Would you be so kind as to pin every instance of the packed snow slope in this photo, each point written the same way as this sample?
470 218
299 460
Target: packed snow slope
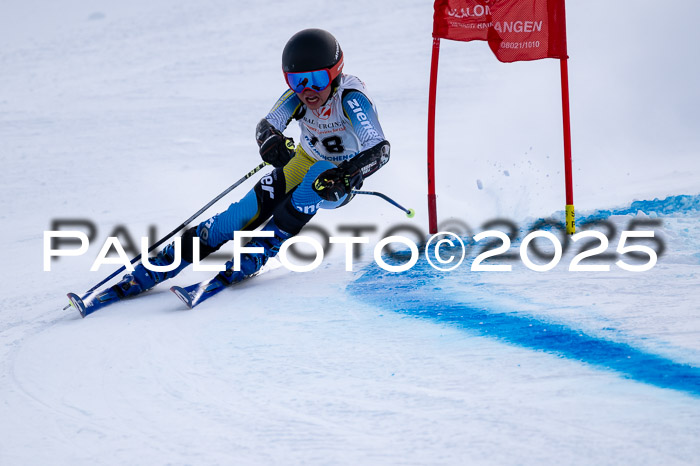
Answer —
129 116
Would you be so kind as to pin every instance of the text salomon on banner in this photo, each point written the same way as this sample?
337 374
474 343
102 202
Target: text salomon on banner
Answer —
516 30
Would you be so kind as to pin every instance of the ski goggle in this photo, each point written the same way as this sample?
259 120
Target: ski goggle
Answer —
316 80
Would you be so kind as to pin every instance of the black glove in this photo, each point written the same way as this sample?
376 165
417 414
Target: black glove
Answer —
275 149
335 183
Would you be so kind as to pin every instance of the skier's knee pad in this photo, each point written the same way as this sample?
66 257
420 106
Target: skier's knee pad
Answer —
289 219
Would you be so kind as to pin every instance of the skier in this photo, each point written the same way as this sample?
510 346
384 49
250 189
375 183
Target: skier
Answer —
341 144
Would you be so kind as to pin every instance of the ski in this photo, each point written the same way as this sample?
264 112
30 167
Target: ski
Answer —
87 306
197 293
77 303
193 295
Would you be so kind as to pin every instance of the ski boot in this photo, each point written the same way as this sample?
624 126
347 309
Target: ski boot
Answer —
251 263
132 284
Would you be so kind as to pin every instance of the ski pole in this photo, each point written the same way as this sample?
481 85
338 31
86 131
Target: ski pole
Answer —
410 213
179 227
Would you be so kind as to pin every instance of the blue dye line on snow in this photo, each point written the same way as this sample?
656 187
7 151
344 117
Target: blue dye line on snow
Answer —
413 293
682 204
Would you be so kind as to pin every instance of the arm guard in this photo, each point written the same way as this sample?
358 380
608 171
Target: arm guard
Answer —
366 162
333 184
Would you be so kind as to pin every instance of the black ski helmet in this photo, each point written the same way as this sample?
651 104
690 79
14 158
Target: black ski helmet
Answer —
310 50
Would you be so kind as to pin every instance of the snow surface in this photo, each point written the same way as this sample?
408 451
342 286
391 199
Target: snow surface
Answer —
137 113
